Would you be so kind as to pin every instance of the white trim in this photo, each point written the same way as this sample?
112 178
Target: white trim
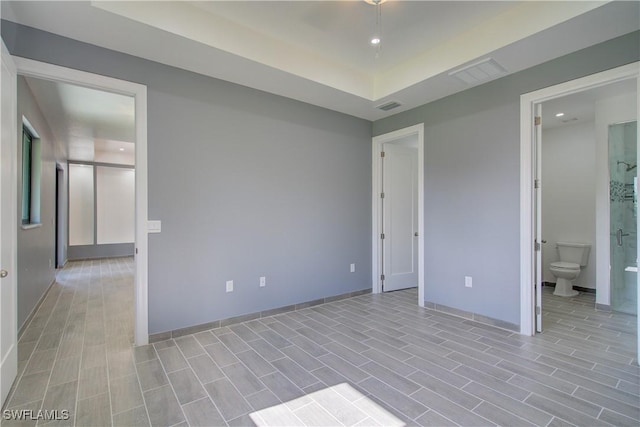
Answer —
31 68
9 360
418 130
31 226
527 103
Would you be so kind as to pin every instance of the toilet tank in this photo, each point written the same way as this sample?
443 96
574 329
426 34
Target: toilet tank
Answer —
577 253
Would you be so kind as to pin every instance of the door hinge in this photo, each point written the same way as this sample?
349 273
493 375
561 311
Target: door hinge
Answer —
382 277
538 310
382 195
537 246
136 251
382 154
536 183
537 120
382 235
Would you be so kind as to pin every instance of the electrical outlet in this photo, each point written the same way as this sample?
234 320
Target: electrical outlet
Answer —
352 268
229 285
263 282
468 281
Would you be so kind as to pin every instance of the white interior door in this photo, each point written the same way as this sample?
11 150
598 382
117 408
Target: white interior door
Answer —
8 223
538 209
400 217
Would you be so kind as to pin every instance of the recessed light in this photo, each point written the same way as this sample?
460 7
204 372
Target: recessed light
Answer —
121 149
559 114
375 41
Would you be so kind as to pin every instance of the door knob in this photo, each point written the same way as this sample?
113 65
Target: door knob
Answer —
415 234
3 274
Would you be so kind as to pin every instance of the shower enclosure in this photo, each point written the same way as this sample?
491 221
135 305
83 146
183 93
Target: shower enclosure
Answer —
623 191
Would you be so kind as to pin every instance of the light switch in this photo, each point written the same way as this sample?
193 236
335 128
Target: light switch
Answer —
154 226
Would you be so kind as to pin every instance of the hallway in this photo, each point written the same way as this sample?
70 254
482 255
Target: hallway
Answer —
79 341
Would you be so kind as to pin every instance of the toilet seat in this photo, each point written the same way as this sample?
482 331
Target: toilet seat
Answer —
562 265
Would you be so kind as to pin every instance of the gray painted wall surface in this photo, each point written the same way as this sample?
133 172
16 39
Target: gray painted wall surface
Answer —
472 174
246 184
36 253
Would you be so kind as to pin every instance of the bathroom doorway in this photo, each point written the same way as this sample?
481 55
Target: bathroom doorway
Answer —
589 156
534 183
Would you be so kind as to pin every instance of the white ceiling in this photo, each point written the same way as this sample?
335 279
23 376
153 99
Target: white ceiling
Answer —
94 125
319 52
580 107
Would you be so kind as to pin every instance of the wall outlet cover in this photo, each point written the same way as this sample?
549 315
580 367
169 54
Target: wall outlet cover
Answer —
263 282
229 285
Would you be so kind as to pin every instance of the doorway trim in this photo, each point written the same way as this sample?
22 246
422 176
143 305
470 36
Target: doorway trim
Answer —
376 206
527 192
60 229
41 70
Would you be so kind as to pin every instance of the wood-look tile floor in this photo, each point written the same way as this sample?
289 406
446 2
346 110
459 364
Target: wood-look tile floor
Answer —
368 360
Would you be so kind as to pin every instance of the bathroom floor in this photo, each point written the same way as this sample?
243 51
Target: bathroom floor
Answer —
368 360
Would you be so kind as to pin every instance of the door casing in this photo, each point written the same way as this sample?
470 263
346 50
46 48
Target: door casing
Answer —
8 217
41 70
528 104
376 206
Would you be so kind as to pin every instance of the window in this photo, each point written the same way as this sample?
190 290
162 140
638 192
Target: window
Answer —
30 177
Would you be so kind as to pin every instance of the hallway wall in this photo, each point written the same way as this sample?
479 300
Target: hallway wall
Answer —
36 251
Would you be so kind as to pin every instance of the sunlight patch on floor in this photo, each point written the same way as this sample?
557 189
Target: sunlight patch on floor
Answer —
339 405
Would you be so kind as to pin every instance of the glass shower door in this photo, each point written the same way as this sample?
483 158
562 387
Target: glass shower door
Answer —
623 208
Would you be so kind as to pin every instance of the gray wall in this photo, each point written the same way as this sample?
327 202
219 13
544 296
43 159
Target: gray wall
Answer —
472 173
246 183
36 253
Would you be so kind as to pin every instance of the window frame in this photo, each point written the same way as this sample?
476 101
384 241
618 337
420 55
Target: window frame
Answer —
31 177
27 175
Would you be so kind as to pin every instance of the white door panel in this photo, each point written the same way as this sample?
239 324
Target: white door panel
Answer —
8 223
400 217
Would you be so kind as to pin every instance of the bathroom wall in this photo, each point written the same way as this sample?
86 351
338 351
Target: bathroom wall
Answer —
568 194
607 111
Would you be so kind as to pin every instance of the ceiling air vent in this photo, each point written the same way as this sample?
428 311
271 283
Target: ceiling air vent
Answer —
479 72
388 106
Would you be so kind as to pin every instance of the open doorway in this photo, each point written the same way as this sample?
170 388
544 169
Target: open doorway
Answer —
61 216
27 67
16 66
34 69
398 211
533 184
576 147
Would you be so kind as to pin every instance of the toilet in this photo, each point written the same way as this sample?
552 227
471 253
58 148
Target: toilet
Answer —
573 257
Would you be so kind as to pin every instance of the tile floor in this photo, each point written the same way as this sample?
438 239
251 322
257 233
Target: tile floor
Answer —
368 360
